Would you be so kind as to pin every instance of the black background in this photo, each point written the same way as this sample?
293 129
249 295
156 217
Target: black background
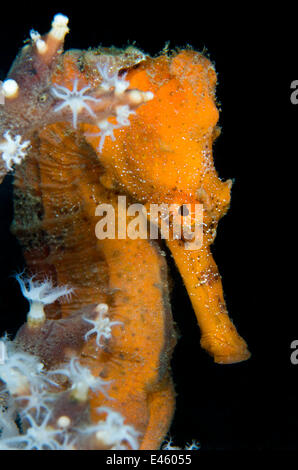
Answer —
252 405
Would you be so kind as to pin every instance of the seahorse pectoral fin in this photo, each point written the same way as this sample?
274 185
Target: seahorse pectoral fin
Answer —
203 283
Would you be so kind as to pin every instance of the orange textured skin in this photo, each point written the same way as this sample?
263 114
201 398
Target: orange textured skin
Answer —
164 156
130 276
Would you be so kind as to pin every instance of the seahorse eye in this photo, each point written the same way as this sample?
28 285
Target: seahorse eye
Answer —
43 98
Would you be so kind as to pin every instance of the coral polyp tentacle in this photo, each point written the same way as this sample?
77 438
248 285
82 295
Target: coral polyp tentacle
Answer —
102 325
39 294
82 380
109 81
13 150
75 99
113 432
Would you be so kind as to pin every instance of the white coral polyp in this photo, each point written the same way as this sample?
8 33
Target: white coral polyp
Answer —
37 400
39 436
123 113
75 99
102 325
113 432
42 291
82 380
21 371
13 150
119 84
39 294
107 128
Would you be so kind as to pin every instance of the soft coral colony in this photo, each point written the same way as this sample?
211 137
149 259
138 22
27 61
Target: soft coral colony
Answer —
90 369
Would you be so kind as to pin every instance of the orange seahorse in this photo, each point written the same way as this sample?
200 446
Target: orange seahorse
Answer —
82 128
